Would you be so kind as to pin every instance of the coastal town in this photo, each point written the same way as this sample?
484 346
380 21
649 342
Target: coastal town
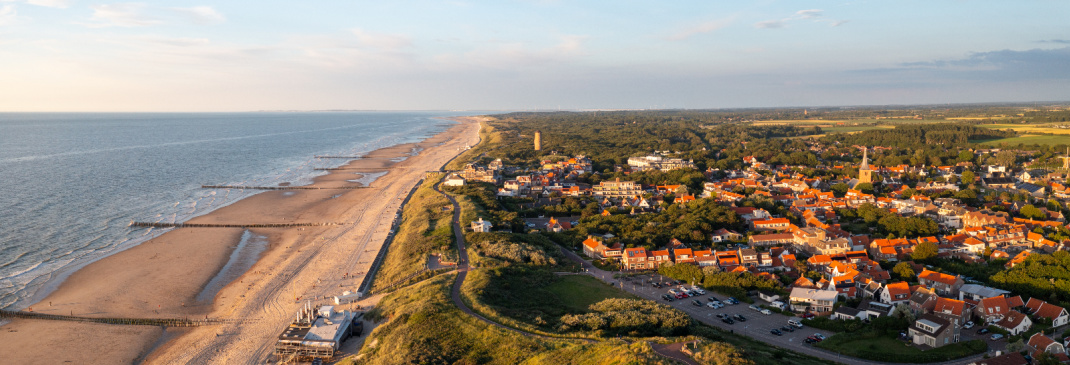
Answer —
832 267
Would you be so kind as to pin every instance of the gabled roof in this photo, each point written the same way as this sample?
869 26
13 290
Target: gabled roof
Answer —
1044 309
1040 342
1012 320
949 306
937 277
897 289
994 306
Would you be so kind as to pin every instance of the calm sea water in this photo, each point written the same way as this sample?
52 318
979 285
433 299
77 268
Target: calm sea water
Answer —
72 182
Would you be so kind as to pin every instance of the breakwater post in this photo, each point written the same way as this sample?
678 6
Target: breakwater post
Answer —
279 187
213 225
164 322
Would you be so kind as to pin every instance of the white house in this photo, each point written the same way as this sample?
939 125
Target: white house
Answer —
454 180
816 300
481 225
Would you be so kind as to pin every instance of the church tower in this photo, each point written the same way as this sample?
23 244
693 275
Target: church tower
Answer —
865 175
1066 159
538 141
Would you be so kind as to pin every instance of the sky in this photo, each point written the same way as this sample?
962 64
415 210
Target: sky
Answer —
243 55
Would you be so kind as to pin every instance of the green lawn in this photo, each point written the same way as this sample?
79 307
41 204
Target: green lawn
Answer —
889 349
853 128
1028 140
578 292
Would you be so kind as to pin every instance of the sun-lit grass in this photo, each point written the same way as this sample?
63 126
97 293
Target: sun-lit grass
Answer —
425 229
578 292
1029 128
1029 140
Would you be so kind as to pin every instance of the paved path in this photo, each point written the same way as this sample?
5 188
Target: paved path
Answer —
673 351
462 272
756 327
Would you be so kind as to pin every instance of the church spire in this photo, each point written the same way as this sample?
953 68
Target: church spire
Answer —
865 160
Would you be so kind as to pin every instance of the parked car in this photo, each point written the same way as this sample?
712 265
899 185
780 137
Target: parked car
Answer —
776 332
696 302
788 328
755 307
711 305
982 331
732 300
727 320
741 318
795 323
722 315
968 325
766 311
813 339
819 336
807 315
995 337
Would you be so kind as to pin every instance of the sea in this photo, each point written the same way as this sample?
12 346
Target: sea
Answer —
73 182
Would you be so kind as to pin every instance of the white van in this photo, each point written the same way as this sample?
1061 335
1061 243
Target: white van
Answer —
795 322
778 305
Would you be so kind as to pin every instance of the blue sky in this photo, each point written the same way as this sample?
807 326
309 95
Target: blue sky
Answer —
77 55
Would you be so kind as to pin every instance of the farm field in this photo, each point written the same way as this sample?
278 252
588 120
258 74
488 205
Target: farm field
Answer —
1028 140
1029 128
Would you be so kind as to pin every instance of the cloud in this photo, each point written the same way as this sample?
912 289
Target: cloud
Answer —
814 15
201 14
701 28
175 42
770 24
60 4
381 40
808 14
8 14
121 15
1004 65
1056 41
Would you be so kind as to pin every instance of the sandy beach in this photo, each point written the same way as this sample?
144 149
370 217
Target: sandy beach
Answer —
164 276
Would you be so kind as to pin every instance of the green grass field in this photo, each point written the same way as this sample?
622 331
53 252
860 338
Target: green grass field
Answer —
888 349
578 292
1028 140
855 128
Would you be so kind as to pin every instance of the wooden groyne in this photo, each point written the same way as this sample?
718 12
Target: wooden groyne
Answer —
351 168
165 322
349 157
213 225
280 187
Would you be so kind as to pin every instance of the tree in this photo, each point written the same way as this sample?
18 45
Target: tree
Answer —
1015 346
1031 212
904 270
968 177
1006 158
865 188
924 251
800 265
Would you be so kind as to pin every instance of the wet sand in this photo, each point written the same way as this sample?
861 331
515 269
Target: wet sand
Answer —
163 277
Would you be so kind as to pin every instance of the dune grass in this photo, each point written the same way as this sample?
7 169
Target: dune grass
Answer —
422 326
425 229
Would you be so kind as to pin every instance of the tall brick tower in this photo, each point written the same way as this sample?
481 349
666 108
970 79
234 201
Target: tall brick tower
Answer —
538 141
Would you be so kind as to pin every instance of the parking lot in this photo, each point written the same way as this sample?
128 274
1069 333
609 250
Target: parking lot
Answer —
757 325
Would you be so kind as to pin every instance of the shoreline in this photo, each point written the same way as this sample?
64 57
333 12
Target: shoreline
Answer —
163 276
